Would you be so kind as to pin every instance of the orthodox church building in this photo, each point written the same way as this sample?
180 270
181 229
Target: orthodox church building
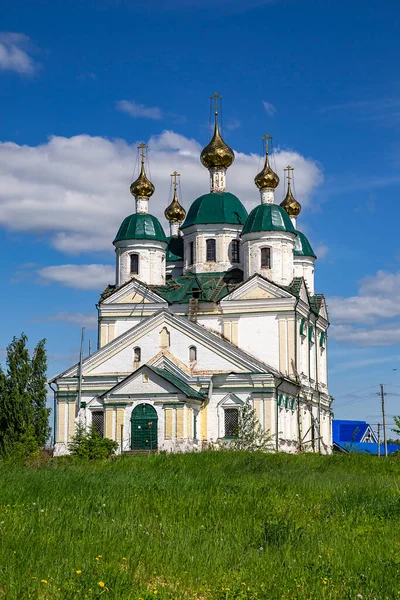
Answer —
219 313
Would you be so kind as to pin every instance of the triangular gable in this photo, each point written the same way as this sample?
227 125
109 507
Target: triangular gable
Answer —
257 288
303 293
232 357
134 292
150 381
230 400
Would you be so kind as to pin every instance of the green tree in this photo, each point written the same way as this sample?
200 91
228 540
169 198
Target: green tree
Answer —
23 414
38 393
249 434
88 444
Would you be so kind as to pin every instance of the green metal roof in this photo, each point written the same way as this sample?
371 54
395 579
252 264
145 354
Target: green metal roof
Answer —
216 207
175 248
210 287
141 227
268 217
302 246
177 382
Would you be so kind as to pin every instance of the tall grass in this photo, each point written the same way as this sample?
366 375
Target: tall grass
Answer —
214 525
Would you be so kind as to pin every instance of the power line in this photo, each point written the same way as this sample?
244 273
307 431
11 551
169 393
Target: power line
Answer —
357 391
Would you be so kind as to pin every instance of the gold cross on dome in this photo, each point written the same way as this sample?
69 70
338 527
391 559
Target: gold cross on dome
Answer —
175 175
216 97
288 169
142 147
266 138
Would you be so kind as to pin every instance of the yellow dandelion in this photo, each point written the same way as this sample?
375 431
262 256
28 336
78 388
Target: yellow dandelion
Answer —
123 558
78 572
100 556
101 583
43 581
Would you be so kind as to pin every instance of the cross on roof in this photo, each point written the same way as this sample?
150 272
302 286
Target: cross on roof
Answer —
175 175
216 97
266 138
142 147
288 169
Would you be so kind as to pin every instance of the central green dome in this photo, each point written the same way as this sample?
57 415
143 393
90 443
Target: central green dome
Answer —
216 207
141 227
268 217
175 248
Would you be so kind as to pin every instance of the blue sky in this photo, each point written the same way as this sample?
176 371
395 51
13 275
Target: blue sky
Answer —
82 82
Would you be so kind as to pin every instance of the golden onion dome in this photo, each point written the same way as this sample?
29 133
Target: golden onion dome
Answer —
175 213
267 178
290 203
142 187
217 153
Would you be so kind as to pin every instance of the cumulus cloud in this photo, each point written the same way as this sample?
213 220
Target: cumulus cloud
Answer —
135 110
14 54
371 318
76 190
269 108
84 277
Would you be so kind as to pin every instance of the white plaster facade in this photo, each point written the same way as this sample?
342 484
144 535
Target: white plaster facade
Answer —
151 261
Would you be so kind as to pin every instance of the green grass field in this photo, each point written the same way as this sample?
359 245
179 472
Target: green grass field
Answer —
215 525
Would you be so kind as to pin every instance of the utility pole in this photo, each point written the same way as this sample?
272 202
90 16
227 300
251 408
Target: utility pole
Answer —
80 369
382 395
379 440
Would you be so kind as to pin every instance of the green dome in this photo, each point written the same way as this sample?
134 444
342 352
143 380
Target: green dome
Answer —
141 227
216 207
175 248
268 217
302 246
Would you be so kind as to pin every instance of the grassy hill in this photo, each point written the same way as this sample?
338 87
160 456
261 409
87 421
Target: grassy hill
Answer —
215 525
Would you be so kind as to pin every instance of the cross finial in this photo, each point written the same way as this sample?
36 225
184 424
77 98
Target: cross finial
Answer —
175 175
216 97
142 147
288 169
266 138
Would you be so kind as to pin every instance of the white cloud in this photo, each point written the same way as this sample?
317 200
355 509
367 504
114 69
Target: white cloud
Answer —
135 110
84 277
371 317
14 55
270 109
76 190
82 319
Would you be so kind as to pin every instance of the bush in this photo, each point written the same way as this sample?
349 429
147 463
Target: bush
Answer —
88 444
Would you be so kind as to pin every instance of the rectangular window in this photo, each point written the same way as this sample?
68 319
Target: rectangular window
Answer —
191 253
134 264
265 258
211 251
98 421
231 421
235 248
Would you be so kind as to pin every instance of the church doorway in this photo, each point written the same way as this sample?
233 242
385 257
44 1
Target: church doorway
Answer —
144 423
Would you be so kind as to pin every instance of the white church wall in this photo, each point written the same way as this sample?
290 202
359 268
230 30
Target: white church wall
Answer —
282 246
149 343
223 236
303 266
151 261
259 336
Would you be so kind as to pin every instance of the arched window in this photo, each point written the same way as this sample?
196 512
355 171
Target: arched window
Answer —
134 264
137 354
191 253
235 251
192 353
266 258
210 251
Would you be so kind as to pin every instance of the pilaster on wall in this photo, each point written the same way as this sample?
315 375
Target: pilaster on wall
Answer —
71 420
120 416
61 421
109 418
203 423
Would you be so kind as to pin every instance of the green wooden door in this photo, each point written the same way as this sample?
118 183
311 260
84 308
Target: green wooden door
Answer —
144 428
